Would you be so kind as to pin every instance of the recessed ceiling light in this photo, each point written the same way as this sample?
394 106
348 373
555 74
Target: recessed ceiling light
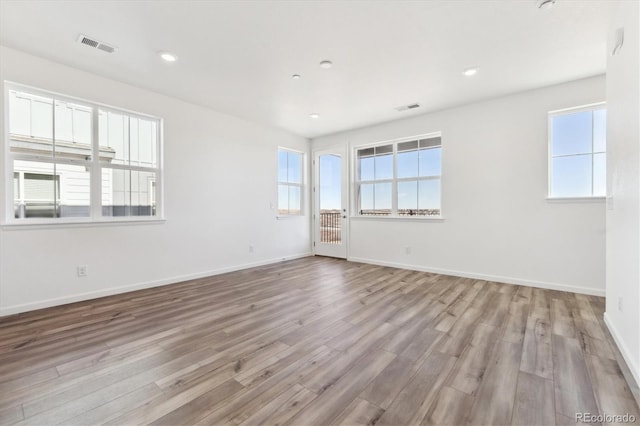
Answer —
314 115
326 64
545 4
169 57
296 76
470 71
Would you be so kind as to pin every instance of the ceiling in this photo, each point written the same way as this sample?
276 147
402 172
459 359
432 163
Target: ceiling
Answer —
237 57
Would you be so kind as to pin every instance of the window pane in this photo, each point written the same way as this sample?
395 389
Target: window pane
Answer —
149 143
282 165
142 140
75 190
600 130
330 182
64 122
429 197
366 152
294 167
600 175
73 131
283 199
431 142
295 205
408 146
571 176
289 166
19 114
128 193
375 199
142 193
408 164
30 124
143 137
382 198
134 143
431 162
366 166
407 198
42 118
366 198
571 133
384 149
116 192
81 125
114 138
40 186
384 166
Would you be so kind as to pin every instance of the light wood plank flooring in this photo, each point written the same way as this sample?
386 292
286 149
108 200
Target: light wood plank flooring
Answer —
314 341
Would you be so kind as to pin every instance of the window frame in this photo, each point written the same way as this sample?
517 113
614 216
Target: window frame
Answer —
301 185
564 111
394 180
94 165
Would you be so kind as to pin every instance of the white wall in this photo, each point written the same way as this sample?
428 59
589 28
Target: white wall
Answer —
212 161
623 178
498 224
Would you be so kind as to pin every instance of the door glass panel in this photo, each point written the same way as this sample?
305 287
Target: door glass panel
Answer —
330 187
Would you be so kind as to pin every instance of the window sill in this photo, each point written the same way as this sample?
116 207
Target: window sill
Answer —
400 218
576 199
289 216
75 223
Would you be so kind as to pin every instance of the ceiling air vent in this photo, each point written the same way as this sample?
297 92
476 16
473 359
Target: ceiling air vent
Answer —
407 107
89 41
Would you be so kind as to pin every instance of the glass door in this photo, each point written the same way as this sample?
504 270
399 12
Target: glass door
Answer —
330 200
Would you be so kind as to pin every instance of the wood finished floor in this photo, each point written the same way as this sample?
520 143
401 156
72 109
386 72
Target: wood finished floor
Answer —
314 341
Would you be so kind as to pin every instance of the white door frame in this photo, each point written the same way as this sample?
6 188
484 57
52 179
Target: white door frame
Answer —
319 248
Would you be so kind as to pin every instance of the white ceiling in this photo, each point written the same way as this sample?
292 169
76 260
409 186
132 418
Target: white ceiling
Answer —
238 56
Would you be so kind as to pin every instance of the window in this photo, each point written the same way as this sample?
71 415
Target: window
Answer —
75 159
577 152
401 178
290 182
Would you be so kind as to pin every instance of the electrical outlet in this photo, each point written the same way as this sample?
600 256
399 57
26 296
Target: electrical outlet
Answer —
407 250
83 270
620 304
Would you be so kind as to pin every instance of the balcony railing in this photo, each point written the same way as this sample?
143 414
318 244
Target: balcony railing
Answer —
330 227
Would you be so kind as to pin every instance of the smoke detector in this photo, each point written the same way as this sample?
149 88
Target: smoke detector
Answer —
96 44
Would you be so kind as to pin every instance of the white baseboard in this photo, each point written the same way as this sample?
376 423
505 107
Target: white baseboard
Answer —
624 350
15 309
477 276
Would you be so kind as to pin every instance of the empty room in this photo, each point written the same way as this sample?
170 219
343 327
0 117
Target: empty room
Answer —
319 212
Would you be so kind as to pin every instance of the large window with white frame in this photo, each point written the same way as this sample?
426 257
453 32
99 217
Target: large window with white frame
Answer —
290 182
578 152
400 178
74 160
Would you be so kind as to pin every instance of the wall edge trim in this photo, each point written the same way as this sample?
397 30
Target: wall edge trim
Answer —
622 347
485 277
32 306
